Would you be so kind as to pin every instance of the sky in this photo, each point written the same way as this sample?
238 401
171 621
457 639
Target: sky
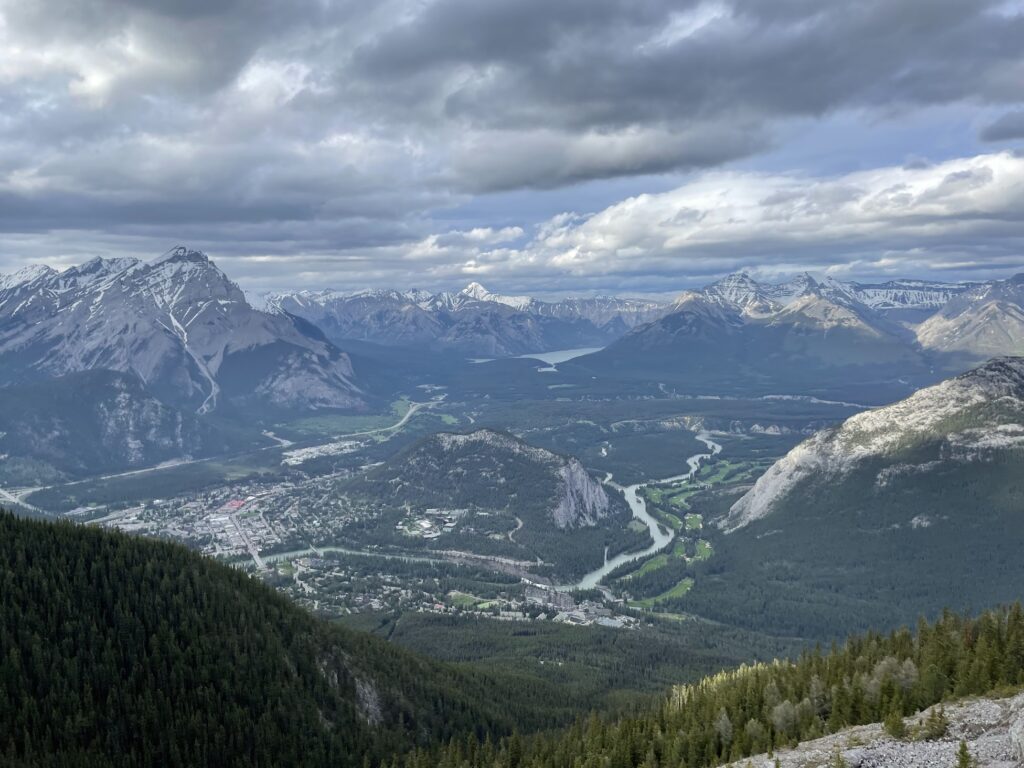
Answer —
536 146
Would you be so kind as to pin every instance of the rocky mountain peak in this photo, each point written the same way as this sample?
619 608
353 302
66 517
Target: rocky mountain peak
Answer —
181 253
476 291
25 275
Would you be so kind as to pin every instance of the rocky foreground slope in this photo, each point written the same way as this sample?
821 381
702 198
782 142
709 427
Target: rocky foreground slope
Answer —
993 730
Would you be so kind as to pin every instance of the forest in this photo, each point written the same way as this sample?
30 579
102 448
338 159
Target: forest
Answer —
762 707
122 651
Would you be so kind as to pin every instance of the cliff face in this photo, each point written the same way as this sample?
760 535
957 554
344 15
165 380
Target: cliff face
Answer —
992 728
581 500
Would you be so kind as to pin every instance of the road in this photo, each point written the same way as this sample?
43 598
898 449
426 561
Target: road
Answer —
253 550
10 497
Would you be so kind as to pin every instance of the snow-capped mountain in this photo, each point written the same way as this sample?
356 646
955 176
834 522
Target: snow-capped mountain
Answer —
907 294
979 323
767 335
178 324
895 296
473 320
959 420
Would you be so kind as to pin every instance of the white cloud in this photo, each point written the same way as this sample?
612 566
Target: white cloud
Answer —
892 219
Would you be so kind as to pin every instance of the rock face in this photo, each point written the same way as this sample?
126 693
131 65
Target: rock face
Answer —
958 420
91 422
178 323
990 727
1016 734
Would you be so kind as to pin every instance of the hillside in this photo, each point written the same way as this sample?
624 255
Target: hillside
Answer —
930 487
490 493
991 729
776 707
119 651
986 321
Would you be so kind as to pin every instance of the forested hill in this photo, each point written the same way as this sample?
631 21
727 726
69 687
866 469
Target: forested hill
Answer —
119 651
764 707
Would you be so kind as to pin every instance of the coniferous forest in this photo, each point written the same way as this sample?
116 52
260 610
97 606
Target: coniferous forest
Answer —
753 709
120 651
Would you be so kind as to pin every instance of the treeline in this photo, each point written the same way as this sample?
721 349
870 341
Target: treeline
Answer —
759 708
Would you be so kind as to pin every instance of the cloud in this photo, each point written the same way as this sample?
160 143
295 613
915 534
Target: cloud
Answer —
313 130
947 218
1008 126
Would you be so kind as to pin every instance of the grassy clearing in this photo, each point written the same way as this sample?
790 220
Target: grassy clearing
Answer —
694 522
333 424
679 590
464 600
658 562
654 564
704 551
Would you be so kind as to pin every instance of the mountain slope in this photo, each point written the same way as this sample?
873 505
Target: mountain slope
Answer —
120 651
93 422
739 333
955 421
898 511
908 680
984 322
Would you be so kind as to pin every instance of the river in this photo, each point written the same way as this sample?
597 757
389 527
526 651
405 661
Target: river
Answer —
661 537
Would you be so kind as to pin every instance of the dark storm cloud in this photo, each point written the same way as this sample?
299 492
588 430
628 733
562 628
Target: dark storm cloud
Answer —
1009 126
339 130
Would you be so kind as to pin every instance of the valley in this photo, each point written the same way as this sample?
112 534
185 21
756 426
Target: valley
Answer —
564 462
283 513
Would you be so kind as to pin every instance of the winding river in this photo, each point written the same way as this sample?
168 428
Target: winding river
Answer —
660 535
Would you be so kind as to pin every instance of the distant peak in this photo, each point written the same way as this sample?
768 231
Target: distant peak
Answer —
476 291
25 275
100 265
181 254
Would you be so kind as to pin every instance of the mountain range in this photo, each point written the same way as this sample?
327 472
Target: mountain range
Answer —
472 321
801 332
808 334
172 350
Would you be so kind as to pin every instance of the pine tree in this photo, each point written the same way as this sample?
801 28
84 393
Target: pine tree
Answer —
964 759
